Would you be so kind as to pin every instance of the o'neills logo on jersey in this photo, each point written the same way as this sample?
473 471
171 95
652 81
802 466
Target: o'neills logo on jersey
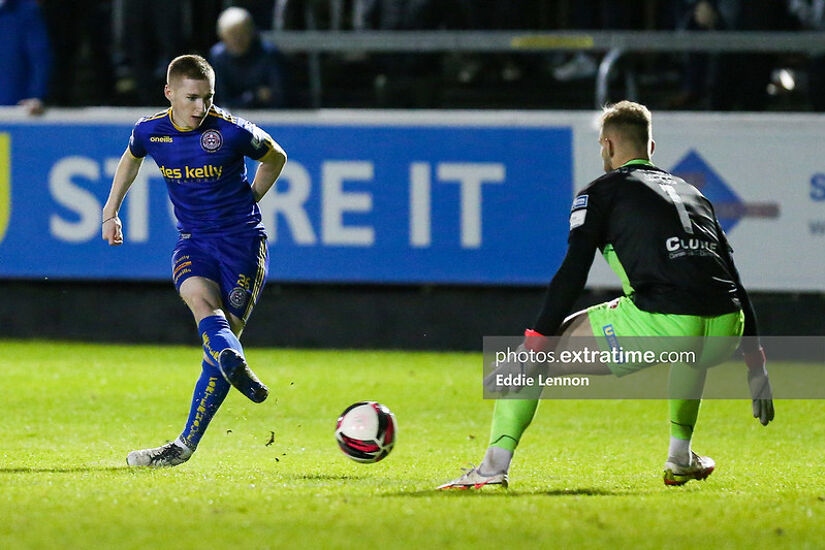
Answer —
211 141
677 247
207 171
161 139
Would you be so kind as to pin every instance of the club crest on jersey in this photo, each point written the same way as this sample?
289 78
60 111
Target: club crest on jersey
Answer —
211 141
238 297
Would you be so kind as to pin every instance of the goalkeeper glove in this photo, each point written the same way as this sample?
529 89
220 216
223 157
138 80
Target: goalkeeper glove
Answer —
760 386
533 341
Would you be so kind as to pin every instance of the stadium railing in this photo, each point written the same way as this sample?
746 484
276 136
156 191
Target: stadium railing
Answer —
616 44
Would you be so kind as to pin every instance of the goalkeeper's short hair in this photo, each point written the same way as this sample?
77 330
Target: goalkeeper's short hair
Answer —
632 119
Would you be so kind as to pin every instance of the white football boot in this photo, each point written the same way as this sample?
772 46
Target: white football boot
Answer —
473 479
171 454
700 468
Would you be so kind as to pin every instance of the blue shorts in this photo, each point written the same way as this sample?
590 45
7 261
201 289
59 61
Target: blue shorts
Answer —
238 264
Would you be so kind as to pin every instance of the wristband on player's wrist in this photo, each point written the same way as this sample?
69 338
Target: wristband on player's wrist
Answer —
109 219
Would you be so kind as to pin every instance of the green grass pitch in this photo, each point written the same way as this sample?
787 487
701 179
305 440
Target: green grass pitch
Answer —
587 475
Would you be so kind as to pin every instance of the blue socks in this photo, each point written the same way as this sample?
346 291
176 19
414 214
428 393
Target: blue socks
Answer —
210 391
211 388
217 336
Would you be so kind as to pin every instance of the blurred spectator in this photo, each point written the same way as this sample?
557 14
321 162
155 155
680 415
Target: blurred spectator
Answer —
154 33
25 58
91 29
730 81
811 15
250 71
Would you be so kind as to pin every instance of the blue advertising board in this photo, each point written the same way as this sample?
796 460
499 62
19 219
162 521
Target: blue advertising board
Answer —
356 203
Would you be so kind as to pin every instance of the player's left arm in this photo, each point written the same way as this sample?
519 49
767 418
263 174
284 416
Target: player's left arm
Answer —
272 164
758 381
259 145
751 330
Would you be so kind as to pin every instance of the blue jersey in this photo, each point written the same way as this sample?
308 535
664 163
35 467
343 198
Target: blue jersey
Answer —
204 169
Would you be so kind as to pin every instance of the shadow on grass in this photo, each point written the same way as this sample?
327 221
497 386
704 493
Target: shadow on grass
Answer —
325 477
509 493
74 470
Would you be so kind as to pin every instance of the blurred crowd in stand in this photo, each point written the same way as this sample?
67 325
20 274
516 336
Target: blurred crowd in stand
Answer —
114 52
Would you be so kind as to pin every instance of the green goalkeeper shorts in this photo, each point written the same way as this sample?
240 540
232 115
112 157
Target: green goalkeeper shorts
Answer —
661 337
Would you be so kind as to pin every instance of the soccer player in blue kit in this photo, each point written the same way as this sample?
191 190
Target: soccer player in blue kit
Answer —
220 262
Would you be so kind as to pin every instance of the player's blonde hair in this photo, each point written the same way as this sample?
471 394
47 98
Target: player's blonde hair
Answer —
632 119
190 66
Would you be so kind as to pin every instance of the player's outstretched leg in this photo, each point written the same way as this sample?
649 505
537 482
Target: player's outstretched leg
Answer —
510 418
224 348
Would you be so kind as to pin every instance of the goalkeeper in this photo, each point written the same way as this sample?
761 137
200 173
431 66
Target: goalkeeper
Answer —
661 236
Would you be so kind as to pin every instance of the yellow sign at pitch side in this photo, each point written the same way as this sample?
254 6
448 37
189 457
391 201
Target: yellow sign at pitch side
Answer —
5 183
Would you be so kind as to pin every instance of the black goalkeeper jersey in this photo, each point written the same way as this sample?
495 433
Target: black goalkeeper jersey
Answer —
660 235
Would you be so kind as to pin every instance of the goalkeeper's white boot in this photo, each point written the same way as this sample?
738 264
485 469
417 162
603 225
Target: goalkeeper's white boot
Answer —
473 479
700 468
171 454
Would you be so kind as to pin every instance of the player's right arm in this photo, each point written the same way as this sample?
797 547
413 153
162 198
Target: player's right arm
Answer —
127 171
587 219
563 290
